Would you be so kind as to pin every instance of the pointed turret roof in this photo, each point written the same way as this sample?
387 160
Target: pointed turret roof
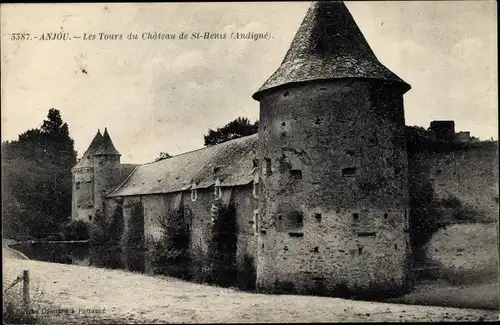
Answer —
106 147
94 145
86 160
329 45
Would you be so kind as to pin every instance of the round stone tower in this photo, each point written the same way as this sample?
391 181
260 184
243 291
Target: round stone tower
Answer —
106 170
334 208
83 183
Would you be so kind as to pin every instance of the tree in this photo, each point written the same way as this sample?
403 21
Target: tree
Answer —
235 129
36 179
163 155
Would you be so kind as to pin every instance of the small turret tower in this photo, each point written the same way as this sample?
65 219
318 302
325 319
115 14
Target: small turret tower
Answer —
334 170
106 170
95 174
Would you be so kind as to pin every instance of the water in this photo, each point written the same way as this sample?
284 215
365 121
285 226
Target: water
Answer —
83 253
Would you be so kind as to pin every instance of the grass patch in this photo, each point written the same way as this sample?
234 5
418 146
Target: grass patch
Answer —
478 296
14 310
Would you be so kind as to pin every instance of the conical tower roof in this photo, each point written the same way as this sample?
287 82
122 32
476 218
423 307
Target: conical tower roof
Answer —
85 161
106 147
329 45
94 145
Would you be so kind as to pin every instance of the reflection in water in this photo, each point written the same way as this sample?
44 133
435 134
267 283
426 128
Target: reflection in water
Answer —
103 256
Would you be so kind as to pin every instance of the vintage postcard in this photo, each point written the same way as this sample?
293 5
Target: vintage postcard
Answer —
247 162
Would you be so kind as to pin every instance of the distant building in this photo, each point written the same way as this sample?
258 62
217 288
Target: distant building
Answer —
444 130
463 136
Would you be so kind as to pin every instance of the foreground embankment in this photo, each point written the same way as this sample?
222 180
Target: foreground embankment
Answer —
112 296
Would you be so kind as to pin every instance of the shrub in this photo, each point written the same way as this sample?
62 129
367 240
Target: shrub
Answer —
247 274
105 235
75 230
106 231
170 252
222 247
200 265
281 287
133 236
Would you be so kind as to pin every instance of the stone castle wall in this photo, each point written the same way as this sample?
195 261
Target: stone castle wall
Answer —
469 175
156 206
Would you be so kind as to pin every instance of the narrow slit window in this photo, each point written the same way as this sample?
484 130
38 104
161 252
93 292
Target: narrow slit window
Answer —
367 234
349 171
256 220
256 189
267 166
194 195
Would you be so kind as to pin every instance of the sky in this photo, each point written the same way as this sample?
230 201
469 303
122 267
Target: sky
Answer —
163 95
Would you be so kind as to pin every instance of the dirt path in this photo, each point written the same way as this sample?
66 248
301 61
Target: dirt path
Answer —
124 297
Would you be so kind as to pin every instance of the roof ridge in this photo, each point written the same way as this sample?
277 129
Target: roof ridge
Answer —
177 174
202 148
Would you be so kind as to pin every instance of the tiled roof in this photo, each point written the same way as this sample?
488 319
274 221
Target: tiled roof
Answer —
231 162
329 45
